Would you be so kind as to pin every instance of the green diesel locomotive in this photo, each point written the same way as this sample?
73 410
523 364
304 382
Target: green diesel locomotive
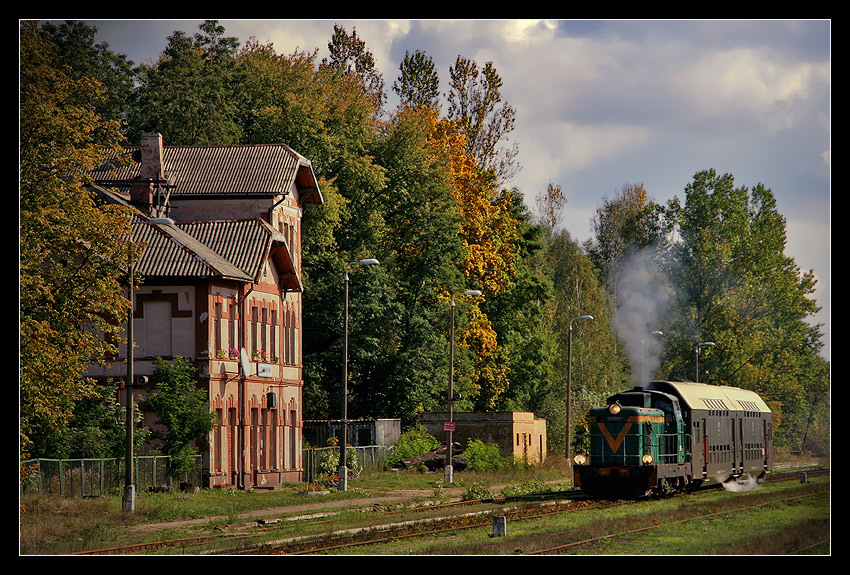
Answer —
668 437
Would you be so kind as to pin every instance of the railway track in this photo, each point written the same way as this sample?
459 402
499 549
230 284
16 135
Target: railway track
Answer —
697 517
450 517
569 501
240 542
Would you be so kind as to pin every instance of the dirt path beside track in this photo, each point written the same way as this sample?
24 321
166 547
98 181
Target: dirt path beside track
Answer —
418 496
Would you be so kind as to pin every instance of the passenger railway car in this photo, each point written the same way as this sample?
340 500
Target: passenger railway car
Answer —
669 436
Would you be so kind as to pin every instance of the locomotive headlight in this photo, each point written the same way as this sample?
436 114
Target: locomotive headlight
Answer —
647 459
614 408
580 459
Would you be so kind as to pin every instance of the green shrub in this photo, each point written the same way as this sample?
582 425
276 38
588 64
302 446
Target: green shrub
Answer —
184 462
410 444
525 487
329 462
477 491
482 456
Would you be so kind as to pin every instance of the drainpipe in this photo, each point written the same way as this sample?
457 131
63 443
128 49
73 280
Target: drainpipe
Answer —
243 409
274 207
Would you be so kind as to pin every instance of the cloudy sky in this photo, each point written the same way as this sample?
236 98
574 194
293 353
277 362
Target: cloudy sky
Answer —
601 104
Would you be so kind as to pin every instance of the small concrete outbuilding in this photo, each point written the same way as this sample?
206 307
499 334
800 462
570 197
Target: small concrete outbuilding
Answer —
517 433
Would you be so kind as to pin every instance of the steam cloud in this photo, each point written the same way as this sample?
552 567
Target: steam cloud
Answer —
741 484
643 294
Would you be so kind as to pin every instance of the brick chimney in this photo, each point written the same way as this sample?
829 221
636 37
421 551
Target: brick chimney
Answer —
142 191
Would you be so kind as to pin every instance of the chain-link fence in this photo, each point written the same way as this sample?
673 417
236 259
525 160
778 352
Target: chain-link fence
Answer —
95 477
323 461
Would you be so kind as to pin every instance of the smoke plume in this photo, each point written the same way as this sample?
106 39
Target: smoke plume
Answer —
643 294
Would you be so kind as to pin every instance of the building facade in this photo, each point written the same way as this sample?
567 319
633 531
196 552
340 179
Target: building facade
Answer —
221 262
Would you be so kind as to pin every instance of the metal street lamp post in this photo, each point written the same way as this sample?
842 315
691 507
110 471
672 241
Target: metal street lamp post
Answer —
570 382
449 470
699 345
343 459
128 502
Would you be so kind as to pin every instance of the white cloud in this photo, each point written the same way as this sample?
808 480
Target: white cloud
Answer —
528 31
748 85
571 147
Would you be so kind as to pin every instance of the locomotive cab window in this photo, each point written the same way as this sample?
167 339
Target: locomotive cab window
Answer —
670 408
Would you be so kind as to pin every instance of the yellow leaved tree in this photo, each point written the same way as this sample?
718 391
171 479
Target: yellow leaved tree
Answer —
490 251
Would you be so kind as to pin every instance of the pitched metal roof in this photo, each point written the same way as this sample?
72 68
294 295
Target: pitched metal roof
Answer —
231 249
247 244
171 252
204 171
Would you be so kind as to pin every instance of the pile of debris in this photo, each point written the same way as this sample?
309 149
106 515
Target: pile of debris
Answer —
436 459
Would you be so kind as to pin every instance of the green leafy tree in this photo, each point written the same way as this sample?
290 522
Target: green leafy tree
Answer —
475 100
418 245
97 429
599 367
736 287
629 222
78 56
73 251
190 94
418 85
349 55
518 316
182 411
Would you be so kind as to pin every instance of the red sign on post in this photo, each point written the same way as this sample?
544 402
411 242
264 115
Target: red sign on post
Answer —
448 426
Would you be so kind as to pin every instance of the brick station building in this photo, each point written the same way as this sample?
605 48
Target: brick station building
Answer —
222 287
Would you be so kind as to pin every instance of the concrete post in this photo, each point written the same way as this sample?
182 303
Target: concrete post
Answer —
499 526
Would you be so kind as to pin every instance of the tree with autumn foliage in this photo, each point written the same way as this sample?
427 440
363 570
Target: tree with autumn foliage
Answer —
73 252
476 102
631 220
488 232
